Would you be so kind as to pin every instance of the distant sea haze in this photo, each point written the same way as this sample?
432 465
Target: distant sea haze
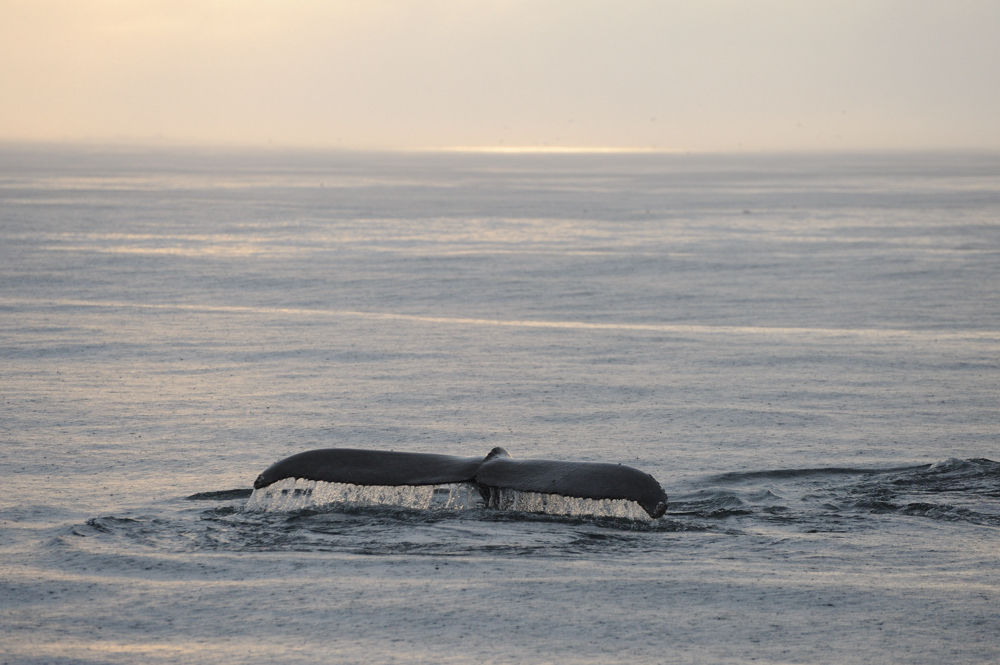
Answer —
803 351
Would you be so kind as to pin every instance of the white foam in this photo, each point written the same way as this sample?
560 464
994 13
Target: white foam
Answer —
554 504
298 494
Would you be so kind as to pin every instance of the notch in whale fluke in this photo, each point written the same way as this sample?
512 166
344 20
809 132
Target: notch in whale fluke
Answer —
583 480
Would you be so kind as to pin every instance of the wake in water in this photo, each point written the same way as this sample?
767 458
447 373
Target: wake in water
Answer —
456 520
952 490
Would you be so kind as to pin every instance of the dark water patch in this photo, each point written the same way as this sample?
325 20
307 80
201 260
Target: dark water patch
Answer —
875 505
827 499
979 475
972 488
781 474
222 495
718 504
111 524
222 511
950 513
595 542
718 513
385 531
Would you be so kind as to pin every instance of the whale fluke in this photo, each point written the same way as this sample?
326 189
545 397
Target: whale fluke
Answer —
583 480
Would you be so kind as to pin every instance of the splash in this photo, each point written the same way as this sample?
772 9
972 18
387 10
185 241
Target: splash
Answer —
554 504
293 494
298 494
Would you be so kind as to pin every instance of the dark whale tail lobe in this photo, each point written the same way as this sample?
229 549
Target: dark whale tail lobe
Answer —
583 480
371 467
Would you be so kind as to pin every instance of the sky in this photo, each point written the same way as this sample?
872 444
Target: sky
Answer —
666 75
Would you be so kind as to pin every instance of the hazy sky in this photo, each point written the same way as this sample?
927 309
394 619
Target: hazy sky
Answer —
702 75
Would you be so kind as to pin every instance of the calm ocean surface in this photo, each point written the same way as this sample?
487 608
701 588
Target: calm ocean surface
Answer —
804 351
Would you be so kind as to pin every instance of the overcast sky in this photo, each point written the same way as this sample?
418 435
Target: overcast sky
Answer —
703 75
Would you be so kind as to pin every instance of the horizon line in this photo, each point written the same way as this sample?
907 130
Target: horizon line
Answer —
131 145
552 149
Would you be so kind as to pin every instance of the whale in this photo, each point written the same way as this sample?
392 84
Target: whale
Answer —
497 471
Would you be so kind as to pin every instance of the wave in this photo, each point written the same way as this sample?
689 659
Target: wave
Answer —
742 476
811 494
978 475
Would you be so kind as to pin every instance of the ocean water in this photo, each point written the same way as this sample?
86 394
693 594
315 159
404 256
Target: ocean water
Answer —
803 350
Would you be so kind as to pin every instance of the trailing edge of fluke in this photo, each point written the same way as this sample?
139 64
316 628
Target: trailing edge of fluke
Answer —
498 470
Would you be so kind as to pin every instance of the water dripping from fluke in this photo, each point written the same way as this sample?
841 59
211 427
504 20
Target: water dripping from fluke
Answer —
296 494
502 482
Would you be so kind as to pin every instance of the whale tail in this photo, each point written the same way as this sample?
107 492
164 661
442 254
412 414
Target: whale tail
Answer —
497 471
